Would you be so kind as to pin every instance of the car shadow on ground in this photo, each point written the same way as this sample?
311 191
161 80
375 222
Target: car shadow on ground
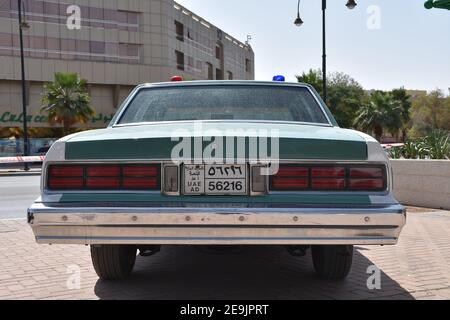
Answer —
260 273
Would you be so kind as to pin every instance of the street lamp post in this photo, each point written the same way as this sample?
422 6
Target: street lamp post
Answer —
324 50
351 4
23 25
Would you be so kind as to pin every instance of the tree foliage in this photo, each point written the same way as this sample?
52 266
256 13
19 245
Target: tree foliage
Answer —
345 95
428 113
66 101
382 112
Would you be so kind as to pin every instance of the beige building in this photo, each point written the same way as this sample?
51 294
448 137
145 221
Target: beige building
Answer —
120 43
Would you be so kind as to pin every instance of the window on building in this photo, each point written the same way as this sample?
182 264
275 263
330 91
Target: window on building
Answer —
248 65
53 48
37 7
209 68
97 47
229 75
191 62
38 47
6 44
112 51
68 49
219 51
129 52
110 15
199 65
96 16
133 50
180 60
179 29
133 18
122 20
83 49
123 50
219 74
190 34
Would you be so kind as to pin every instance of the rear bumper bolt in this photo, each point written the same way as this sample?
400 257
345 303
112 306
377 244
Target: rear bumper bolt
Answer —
64 218
134 218
367 219
188 218
241 218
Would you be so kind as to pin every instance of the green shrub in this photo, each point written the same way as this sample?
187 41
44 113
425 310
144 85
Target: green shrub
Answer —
434 146
438 144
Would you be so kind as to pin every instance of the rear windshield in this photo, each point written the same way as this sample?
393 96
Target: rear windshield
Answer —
226 102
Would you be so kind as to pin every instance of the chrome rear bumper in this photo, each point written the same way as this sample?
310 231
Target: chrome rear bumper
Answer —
223 226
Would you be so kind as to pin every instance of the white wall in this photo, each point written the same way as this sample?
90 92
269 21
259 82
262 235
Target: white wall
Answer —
423 183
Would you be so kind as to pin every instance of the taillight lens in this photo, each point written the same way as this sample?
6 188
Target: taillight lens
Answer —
104 177
141 177
65 177
329 178
367 178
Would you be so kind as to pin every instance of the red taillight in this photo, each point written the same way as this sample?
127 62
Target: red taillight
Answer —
366 184
329 178
65 177
140 171
366 172
290 178
104 177
102 183
328 184
327 172
289 183
140 183
103 171
65 183
291 171
366 178
66 171
140 177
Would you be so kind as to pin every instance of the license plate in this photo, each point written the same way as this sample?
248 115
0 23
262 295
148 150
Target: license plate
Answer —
215 179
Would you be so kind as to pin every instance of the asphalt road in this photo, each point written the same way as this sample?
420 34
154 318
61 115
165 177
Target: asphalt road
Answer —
17 192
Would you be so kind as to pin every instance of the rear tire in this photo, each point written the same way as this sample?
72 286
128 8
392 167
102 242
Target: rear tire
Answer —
113 262
332 262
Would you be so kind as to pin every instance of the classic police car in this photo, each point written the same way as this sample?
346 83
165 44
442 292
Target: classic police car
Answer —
218 163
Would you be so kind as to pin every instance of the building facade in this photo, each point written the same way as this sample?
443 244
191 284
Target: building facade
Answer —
115 45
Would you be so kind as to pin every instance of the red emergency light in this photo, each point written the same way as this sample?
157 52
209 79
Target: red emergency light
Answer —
176 79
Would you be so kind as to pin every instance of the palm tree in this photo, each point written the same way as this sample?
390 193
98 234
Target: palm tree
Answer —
380 113
404 101
67 101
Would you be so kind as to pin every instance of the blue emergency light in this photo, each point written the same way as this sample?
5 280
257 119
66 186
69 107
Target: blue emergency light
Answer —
279 78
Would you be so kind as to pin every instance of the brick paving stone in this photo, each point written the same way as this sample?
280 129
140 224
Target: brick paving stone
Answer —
417 268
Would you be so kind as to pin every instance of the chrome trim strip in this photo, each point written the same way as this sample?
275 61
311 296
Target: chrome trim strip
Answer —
136 124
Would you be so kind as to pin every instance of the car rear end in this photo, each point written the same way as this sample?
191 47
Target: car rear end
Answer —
121 188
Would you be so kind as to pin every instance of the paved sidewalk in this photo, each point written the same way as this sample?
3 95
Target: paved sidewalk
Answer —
417 268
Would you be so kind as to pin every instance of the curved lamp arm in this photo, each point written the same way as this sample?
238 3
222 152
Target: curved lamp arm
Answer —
439 4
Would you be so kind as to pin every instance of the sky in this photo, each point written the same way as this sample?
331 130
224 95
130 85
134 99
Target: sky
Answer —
382 44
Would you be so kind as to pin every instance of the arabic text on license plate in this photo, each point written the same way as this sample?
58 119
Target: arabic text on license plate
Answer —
215 179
